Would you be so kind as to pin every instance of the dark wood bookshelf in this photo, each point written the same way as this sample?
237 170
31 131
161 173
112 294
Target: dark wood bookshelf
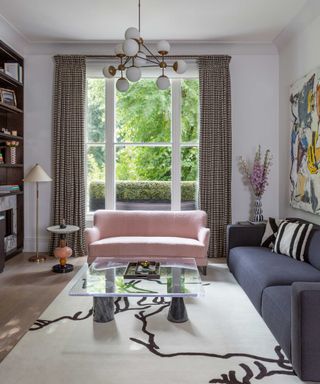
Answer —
12 119
10 108
9 137
9 79
11 193
11 165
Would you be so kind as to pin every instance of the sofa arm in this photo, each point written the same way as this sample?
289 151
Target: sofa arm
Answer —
91 235
203 235
305 330
239 235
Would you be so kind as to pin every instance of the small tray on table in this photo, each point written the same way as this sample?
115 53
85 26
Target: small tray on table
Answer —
142 270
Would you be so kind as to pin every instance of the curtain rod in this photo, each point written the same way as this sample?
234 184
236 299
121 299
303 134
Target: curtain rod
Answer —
168 56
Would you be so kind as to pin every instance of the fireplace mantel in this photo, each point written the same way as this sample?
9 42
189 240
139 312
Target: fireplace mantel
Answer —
8 208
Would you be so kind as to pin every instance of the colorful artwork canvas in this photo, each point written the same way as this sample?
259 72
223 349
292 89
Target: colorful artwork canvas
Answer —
305 143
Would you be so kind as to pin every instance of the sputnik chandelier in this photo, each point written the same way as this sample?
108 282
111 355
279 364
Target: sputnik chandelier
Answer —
134 55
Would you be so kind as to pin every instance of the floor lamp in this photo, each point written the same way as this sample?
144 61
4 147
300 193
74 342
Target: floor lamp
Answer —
37 175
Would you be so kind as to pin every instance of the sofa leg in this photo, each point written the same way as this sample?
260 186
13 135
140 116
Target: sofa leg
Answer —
203 270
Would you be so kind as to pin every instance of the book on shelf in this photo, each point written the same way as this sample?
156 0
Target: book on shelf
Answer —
9 188
14 70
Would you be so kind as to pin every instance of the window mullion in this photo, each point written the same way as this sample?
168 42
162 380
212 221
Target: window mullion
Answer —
176 138
109 147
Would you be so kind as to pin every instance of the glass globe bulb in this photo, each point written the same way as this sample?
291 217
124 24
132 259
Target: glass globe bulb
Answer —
180 66
133 74
130 47
141 60
163 47
109 71
163 82
132 33
118 50
122 84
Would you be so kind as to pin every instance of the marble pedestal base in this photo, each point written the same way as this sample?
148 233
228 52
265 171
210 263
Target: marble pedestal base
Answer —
177 311
103 309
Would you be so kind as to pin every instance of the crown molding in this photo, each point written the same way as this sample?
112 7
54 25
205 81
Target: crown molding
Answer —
12 36
177 48
305 17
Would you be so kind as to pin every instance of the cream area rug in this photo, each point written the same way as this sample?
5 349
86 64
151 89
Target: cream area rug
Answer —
224 341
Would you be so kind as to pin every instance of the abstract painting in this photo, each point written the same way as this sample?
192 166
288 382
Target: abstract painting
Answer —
305 143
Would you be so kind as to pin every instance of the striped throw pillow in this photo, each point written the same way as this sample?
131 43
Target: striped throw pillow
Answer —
291 239
270 232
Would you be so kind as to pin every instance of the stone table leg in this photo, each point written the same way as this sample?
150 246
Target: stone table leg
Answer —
177 311
103 309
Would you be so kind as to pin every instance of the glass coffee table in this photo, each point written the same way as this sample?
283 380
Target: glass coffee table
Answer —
104 280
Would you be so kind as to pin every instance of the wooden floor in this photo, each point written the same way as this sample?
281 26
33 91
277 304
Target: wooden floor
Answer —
26 289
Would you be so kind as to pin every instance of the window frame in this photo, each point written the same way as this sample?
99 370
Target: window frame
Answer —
111 144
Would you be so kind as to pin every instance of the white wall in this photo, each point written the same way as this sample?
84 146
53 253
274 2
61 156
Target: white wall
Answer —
254 76
297 56
254 90
37 144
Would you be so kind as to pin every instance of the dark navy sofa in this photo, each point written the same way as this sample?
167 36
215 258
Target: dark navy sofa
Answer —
285 292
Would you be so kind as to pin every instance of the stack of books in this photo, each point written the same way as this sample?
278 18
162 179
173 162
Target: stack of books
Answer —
9 188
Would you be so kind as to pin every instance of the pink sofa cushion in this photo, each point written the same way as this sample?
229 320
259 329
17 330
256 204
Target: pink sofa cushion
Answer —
146 246
150 223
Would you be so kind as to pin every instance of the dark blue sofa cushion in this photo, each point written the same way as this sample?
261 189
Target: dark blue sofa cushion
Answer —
257 268
313 249
276 312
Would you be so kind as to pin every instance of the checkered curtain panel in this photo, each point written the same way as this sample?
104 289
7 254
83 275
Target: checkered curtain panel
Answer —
215 148
68 148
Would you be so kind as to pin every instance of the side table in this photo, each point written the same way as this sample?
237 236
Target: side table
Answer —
63 251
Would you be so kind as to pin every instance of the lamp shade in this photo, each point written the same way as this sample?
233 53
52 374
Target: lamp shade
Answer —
37 174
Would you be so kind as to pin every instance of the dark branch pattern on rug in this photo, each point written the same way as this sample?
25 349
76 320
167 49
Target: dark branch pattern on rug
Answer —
231 377
122 304
39 324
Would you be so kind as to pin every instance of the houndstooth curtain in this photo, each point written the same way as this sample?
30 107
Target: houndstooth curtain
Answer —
68 148
215 148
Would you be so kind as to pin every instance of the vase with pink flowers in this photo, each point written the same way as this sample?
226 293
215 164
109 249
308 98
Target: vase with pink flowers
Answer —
257 177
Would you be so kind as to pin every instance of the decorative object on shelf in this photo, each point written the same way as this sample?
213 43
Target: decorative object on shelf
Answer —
5 130
1 158
12 70
305 144
37 175
8 96
134 55
12 144
62 252
257 178
14 133
63 224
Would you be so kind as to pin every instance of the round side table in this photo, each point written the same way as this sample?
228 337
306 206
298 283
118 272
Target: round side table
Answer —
63 251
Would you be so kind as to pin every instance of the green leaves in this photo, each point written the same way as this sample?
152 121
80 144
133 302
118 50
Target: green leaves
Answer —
143 115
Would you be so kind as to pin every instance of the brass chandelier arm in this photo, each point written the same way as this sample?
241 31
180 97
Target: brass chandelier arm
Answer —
148 59
127 60
150 53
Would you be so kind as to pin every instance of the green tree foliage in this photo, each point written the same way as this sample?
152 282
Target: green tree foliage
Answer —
143 114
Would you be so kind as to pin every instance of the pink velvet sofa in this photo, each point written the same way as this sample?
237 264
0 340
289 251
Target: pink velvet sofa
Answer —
149 233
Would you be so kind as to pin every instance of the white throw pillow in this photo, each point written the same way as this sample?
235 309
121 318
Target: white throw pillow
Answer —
270 233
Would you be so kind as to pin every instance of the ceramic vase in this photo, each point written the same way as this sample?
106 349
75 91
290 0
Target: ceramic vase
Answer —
13 155
258 212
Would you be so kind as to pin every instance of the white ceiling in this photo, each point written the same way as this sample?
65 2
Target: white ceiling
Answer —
102 20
